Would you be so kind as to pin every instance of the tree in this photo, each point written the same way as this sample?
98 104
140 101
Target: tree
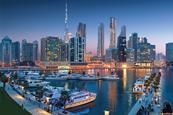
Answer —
15 76
39 94
83 73
4 80
64 97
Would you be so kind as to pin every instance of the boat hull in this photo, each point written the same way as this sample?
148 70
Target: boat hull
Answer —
76 104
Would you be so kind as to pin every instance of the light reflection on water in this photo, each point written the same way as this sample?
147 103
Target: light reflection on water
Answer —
114 96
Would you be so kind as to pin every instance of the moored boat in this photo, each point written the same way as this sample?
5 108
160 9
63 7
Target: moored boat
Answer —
88 77
79 98
139 86
111 77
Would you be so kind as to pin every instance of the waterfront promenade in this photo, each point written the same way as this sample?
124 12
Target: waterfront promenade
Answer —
32 108
143 102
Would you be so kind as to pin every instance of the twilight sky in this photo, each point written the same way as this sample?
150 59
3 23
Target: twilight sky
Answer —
34 19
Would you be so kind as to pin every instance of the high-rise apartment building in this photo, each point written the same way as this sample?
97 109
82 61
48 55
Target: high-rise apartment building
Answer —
51 49
100 46
133 43
35 50
122 45
169 52
112 33
6 50
27 52
16 51
77 49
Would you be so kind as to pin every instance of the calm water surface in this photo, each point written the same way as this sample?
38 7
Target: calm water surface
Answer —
116 96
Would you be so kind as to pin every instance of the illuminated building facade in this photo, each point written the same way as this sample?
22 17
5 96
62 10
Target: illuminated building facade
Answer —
169 52
133 43
16 51
35 50
77 49
51 49
146 51
100 46
6 50
112 33
111 54
27 52
130 55
122 45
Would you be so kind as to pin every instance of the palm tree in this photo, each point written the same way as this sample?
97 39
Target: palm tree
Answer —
83 73
69 73
4 80
15 76
39 94
98 74
64 97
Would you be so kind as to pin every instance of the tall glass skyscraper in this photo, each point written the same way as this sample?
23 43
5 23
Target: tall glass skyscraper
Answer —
16 51
6 50
133 43
112 33
35 50
122 45
1 52
100 46
169 52
77 49
81 30
27 52
51 49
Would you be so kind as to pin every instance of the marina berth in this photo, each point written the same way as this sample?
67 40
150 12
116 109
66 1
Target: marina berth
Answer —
60 76
139 86
36 83
79 98
111 77
74 76
88 77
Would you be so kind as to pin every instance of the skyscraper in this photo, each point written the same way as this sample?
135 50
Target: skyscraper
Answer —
169 52
145 51
100 46
35 50
112 33
6 50
16 51
27 52
133 43
0 51
81 34
77 49
81 30
66 23
122 45
51 49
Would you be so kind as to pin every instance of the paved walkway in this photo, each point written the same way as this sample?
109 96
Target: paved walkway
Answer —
34 109
144 101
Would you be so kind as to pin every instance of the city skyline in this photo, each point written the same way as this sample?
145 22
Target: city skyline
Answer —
143 17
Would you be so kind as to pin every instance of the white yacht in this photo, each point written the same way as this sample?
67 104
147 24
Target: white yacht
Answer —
88 77
111 77
74 76
61 76
33 75
36 83
139 86
79 98
147 76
